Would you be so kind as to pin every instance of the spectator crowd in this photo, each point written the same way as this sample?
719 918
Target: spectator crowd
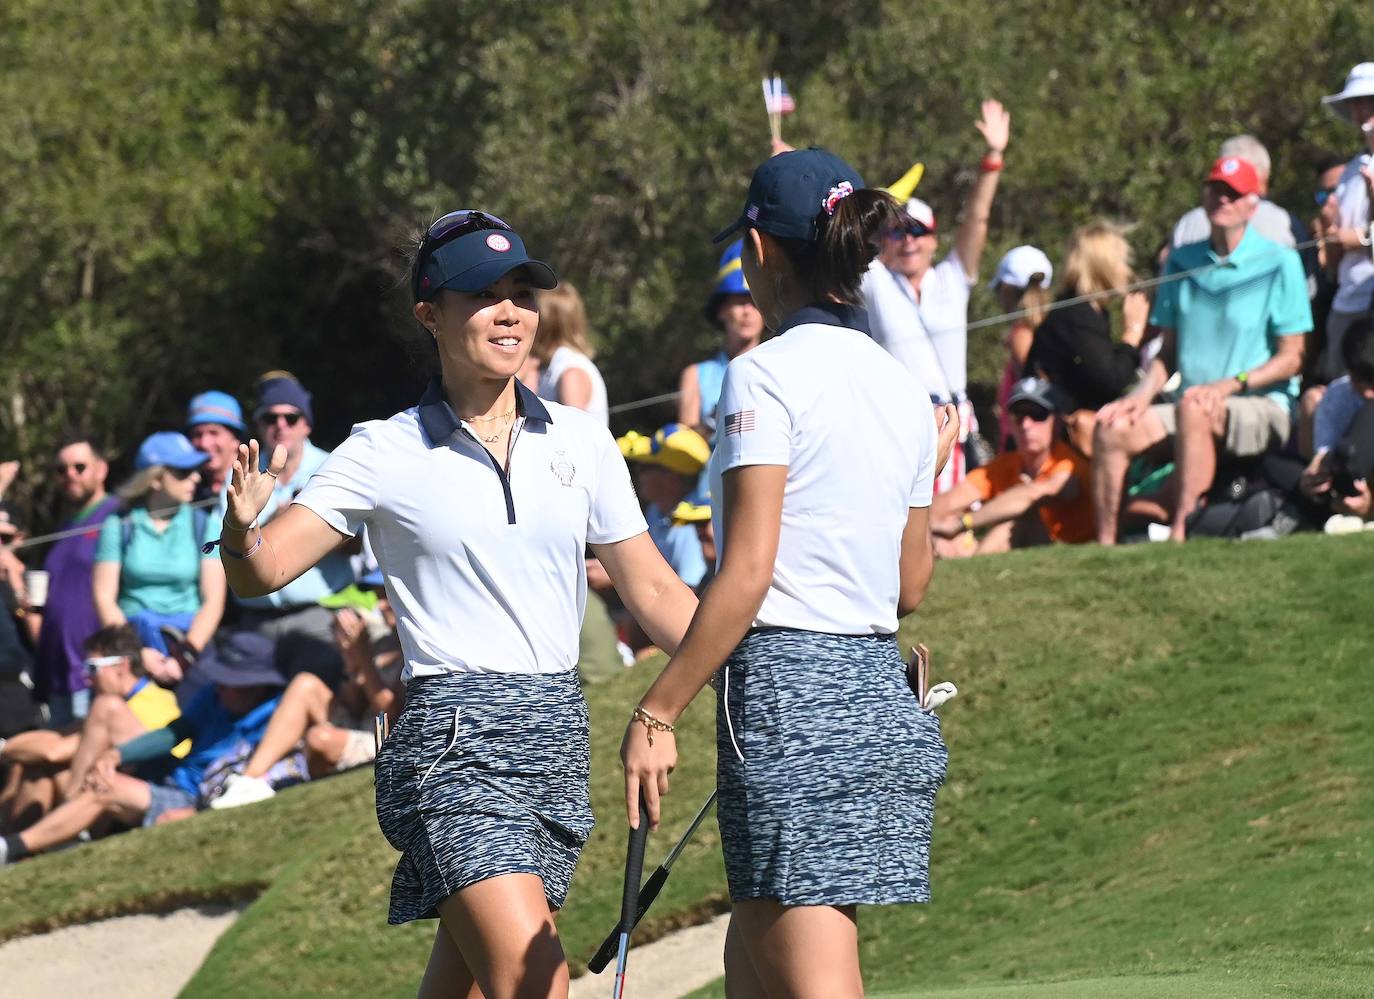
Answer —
1234 401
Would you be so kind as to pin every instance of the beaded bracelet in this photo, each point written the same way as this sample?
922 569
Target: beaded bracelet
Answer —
650 723
209 547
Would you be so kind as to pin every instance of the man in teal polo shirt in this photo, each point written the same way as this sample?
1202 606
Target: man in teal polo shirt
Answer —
1234 328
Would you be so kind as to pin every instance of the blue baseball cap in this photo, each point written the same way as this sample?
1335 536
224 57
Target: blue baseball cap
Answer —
168 448
475 260
215 407
373 579
789 190
729 278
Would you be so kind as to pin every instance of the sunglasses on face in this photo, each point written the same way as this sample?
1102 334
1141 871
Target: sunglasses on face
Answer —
96 663
913 229
1034 413
1223 192
78 468
271 419
1322 195
182 474
445 229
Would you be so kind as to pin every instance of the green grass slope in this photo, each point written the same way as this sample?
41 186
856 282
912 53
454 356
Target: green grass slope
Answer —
1157 788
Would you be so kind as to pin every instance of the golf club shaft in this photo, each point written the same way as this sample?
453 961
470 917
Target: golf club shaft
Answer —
634 868
649 892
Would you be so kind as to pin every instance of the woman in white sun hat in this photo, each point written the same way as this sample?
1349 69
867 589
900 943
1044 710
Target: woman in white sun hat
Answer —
1022 285
1355 277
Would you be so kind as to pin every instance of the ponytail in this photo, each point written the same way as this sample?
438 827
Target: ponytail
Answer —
833 265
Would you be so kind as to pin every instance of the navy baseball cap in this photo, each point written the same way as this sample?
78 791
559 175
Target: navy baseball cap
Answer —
168 448
789 190
472 251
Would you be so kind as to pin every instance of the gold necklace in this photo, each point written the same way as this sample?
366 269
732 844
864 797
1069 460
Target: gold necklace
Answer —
496 436
489 419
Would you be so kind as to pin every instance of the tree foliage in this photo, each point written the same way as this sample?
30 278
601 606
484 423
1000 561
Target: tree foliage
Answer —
197 192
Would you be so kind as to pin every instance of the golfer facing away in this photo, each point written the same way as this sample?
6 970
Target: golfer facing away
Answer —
478 503
826 452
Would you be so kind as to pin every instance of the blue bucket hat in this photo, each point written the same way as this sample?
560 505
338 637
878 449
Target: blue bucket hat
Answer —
215 407
470 252
168 448
790 190
729 278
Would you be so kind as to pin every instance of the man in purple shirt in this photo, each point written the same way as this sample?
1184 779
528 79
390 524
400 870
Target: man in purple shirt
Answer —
68 618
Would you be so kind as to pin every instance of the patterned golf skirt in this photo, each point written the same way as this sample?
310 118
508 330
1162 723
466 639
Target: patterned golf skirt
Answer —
835 796
484 774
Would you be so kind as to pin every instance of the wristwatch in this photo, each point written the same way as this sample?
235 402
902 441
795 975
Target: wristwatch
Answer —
1244 379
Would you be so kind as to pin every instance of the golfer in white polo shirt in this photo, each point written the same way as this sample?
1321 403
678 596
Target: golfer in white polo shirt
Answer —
479 503
826 450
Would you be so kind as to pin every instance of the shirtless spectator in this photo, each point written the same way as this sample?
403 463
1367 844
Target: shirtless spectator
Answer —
1035 495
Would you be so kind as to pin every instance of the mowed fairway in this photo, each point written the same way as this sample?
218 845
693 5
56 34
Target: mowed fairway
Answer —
1158 788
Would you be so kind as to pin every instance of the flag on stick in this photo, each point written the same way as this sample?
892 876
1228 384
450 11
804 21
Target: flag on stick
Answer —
777 102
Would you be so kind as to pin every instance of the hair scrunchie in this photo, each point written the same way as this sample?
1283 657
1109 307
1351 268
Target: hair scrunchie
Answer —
842 190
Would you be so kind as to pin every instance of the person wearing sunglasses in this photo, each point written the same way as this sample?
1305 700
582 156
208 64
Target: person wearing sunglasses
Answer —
292 616
1038 494
126 704
149 567
480 503
68 615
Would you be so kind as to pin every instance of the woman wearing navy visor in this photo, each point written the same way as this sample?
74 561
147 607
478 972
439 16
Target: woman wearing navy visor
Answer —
826 452
478 503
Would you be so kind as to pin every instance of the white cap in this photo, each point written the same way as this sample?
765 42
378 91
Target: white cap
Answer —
921 212
1021 264
1360 83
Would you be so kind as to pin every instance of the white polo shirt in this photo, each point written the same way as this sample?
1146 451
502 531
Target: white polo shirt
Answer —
485 570
857 435
929 337
1355 277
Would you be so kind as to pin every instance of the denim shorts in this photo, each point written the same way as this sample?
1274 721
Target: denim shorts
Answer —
834 800
484 774
166 797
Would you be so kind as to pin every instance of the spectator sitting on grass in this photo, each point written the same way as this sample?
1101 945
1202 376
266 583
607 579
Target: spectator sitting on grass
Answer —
214 422
1038 494
1021 284
1234 327
238 706
1271 221
149 567
1343 434
53 764
337 729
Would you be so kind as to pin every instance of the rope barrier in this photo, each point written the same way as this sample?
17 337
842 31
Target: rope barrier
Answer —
73 532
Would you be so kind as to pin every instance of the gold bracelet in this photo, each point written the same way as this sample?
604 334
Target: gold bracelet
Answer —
650 723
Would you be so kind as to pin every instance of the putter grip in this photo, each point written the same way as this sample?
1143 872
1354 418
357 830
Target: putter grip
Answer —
647 894
634 867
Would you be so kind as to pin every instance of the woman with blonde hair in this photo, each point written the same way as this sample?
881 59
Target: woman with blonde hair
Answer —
149 567
564 351
1073 348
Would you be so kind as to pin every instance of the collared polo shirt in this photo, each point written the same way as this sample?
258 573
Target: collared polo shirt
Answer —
1228 316
857 434
159 570
330 575
485 567
929 337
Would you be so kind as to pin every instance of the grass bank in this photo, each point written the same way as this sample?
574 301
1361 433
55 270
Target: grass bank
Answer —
1157 788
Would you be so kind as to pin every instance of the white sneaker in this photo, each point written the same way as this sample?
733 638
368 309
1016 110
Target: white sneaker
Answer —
1343 523
240 789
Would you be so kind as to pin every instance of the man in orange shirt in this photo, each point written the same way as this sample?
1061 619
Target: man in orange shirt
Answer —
1038 494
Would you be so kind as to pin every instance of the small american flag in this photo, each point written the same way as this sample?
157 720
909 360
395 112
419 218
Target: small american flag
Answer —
776 99
738 423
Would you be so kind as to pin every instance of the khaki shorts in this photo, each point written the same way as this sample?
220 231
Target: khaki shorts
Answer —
1254 424
360 748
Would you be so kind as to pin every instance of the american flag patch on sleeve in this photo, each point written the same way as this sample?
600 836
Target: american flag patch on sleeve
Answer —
738 423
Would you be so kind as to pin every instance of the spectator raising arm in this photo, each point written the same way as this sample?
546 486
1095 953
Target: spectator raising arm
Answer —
972 236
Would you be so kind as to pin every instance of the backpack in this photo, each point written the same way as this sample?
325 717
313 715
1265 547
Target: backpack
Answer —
200 516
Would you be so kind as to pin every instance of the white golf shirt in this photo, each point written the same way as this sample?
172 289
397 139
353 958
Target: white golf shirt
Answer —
929 337
566 359
1355 277
857 435
485 570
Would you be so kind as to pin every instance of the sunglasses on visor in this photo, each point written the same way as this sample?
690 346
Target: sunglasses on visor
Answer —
445 229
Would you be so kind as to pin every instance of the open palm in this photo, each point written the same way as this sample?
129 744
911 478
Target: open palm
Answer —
995 126
249 486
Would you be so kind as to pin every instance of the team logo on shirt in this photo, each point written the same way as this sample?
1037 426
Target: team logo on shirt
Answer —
738 423
562 467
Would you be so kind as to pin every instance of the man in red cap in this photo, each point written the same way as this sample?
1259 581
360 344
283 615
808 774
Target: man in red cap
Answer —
1234 312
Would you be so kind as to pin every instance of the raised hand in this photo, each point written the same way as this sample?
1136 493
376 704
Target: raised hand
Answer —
995 126
249 487
8 471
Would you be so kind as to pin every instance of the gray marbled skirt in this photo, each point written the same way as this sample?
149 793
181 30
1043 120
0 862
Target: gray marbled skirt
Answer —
834 800
484 774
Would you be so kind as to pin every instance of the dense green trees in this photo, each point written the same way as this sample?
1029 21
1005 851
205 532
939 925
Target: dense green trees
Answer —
196 192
